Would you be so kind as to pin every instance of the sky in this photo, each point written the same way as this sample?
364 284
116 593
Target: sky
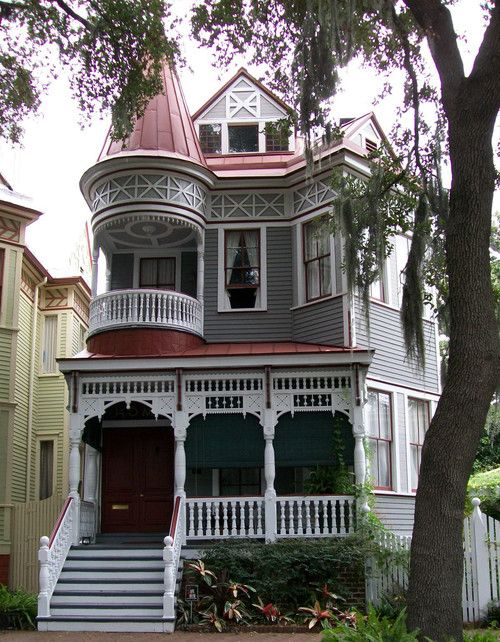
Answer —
56 150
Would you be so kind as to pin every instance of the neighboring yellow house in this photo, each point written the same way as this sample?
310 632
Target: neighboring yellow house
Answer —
41 319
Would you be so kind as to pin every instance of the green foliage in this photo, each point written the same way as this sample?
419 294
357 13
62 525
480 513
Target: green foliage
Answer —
493 615
18 609
372 628
488 454
113 51
486 486
287 572
489 635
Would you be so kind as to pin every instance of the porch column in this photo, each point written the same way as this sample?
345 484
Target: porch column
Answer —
180 424
74 470
95 270
200 277
90 483
360 462
269 475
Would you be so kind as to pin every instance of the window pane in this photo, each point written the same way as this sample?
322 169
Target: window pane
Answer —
312 275
423 420
384 464
385 416
413 418
376 290
157 273
326 276
243 138
46 469
372 414
415 465
242 267
49 344
166 273
210 139
148 273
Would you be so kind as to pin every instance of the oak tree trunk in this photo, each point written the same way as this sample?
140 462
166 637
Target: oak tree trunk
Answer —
436 571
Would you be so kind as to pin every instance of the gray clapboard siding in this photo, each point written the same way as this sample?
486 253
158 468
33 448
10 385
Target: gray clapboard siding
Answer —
396 512
386 337
321 322
271 325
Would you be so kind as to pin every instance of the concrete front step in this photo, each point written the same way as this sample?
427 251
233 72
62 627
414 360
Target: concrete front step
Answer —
118 564
97 551
114 610
67 586
106 597
136 575
123 625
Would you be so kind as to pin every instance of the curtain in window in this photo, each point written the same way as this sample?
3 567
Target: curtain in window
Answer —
242 259
317 260
49 344
158 273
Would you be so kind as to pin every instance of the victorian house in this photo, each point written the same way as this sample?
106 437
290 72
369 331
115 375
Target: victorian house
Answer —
225 361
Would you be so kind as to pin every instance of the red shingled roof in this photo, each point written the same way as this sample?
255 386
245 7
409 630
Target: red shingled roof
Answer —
166 126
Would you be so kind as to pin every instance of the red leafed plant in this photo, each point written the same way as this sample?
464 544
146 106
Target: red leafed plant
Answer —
317 614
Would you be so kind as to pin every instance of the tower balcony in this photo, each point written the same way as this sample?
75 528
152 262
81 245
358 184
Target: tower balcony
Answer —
166 309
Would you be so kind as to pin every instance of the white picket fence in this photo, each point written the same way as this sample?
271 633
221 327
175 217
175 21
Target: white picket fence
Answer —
481 583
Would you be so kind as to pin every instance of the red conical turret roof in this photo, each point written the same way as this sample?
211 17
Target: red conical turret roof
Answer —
166 127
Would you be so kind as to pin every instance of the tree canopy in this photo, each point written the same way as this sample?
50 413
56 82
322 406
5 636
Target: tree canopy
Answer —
111 50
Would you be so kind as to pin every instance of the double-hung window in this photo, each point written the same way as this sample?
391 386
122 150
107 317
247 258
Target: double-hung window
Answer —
211 138
418 414
379 428
317 259
157 273
49 344
46 469
242 268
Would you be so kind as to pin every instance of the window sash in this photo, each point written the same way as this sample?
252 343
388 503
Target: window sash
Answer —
379 429
157 273
49 349
46 469
317 260
419 418
242 258
211 138
243 139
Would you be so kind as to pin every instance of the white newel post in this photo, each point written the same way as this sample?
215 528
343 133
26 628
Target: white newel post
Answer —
168 578
74 471
269 475
44 577
480 554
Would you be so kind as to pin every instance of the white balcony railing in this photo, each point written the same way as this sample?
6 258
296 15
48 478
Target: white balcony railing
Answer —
146 308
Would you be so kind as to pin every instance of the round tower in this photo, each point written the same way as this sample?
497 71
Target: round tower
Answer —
148 199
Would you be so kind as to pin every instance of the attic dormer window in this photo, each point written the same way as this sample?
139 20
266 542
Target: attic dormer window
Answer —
211 138
243 138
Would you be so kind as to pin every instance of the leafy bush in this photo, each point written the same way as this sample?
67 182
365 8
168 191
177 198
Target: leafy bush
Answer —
485 485
493 616
287 572
488 635
374 628
18 609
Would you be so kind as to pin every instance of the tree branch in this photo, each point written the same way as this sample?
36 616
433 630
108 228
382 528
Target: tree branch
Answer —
435 20
72 14
487 62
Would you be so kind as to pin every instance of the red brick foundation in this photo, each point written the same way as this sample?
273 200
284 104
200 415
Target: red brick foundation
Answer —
4 569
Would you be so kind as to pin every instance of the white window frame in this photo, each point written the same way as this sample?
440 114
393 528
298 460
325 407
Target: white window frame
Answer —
157 253
393 443
300 267
222 305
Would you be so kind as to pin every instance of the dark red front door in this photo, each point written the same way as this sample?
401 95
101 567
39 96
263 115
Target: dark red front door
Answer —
137 480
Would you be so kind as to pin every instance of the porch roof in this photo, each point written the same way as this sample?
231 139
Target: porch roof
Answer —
245 354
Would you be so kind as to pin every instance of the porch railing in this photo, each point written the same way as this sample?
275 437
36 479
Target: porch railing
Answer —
172 555
156 308
315 516
53 552
214 518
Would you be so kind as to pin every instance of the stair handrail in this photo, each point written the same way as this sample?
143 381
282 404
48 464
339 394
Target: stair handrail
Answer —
53 552
171 556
